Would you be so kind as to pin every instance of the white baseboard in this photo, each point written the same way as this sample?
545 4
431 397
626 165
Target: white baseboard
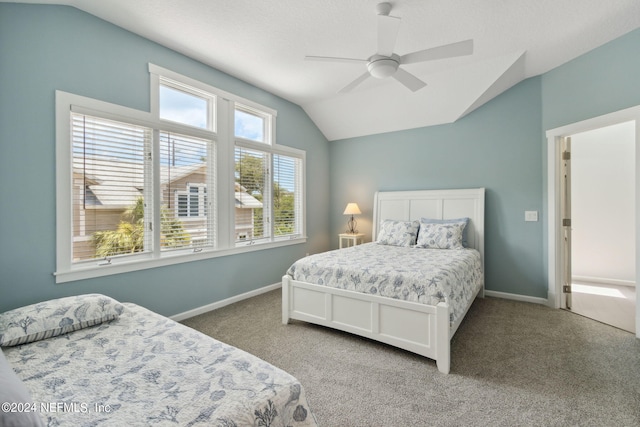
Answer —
219 304
224 302
516 297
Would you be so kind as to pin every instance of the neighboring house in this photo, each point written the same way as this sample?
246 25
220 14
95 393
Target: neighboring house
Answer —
108 188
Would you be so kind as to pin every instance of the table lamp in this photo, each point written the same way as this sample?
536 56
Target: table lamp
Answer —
352 209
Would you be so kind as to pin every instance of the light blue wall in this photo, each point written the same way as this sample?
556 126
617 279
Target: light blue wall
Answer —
45 48
500 146
496 147
602 81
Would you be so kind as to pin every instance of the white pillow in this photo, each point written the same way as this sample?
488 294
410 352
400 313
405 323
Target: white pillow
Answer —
465 232
441 235
56 317
398 233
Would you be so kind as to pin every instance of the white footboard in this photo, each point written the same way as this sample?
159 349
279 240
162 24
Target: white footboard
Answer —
419 328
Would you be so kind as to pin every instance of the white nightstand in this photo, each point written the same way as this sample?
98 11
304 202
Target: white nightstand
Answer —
352 239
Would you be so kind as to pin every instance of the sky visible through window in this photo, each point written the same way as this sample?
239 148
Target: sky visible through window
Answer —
249 126
182 107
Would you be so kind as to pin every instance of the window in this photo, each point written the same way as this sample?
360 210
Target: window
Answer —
251 124
191 203
109 187
188 106
287 192
250 192
142 189
113 207
268 182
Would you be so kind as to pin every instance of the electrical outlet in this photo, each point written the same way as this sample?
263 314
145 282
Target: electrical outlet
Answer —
531 216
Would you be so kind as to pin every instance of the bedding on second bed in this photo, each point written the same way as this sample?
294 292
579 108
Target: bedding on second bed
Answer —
427 276
141 368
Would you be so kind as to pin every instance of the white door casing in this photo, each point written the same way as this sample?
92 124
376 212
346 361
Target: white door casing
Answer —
556 256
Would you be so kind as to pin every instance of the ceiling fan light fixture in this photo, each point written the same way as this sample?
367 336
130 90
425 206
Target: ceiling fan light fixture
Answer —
382 68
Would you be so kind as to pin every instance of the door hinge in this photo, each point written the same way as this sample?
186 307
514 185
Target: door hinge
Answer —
566 289
566 155
566 222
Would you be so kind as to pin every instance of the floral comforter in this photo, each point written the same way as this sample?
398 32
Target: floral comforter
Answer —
427 276
146 369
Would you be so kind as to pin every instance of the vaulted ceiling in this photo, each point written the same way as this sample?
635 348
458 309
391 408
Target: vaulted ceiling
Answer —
265 43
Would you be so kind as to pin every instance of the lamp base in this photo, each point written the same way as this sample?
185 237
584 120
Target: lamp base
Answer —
352 223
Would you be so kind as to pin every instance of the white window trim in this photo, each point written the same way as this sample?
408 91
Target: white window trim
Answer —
66 271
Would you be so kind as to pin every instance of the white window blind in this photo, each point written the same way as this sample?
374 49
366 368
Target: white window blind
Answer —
186 213
251 190
287 196
110 182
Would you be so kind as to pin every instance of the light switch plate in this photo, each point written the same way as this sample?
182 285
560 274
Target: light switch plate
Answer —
531 216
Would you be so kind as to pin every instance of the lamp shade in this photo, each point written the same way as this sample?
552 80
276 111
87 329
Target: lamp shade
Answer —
352 209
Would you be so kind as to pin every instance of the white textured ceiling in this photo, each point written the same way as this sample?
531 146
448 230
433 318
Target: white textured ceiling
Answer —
264 42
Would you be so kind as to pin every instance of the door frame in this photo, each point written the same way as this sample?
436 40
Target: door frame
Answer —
556 298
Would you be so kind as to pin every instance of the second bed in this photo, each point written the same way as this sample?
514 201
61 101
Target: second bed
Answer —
410 294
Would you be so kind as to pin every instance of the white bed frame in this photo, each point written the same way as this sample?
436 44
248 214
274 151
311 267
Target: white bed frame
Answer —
419 328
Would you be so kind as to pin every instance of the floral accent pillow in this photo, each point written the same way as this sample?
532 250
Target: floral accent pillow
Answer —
398 233
56 317
441 236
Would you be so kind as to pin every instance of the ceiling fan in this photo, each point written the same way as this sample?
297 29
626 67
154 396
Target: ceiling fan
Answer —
385 63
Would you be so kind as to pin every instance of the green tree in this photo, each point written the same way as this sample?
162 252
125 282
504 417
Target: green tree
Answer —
250 173
128 237
283 209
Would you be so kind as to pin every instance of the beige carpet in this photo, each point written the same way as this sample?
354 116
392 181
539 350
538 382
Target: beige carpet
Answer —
513 364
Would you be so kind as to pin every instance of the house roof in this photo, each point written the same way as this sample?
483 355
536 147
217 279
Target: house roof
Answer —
246 201
513 40
117 184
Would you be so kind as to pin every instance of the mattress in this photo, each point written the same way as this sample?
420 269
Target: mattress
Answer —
427 276
146 369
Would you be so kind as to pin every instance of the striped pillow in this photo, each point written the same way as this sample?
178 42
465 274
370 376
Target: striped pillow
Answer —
56 317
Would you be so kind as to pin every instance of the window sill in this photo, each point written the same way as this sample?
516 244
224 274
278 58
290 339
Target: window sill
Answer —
93 271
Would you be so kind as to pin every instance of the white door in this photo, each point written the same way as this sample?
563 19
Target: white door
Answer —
554 189
598 223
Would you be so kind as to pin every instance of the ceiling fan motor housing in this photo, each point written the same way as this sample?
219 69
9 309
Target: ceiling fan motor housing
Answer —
381 67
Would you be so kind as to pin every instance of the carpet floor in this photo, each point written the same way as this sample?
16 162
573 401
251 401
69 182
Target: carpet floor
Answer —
512 364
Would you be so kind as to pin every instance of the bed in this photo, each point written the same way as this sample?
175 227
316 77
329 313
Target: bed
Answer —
89 360
381 291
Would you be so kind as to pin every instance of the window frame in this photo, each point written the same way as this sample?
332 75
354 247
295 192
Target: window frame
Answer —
219 198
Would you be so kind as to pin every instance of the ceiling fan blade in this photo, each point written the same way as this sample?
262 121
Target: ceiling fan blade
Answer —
441 52
353 84
333 59
388 27
409 80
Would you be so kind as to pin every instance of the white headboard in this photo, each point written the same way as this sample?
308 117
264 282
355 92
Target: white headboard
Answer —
437 204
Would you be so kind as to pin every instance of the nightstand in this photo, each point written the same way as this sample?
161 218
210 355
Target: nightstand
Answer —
352 239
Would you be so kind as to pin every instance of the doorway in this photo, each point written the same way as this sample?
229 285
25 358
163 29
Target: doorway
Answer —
588 284
602 219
